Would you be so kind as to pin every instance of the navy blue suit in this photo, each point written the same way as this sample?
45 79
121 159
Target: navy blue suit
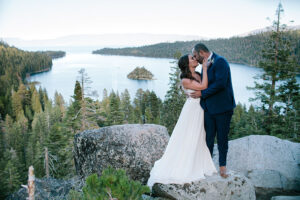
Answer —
218 103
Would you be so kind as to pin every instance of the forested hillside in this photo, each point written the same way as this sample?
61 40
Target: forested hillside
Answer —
243 50
14 65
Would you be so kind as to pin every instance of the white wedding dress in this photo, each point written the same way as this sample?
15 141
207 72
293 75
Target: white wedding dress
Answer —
186 157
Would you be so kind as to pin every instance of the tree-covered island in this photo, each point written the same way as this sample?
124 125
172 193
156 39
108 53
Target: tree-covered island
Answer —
140 73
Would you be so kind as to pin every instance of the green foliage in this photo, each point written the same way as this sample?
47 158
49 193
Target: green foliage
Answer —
77 96
35 102
147 107
113 184
87 112
139 107
15 64
74 195
10 177
115 115
277 89
126 107
246 122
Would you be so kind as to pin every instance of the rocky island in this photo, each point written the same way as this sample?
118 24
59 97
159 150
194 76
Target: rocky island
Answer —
140 73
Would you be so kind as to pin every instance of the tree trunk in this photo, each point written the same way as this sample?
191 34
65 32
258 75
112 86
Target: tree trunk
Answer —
31 186
47 162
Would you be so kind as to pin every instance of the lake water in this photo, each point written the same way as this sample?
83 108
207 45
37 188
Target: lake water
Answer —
110 72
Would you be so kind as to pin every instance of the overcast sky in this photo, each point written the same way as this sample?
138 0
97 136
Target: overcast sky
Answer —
46 19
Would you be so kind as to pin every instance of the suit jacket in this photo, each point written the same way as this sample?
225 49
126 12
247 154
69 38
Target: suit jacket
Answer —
218 97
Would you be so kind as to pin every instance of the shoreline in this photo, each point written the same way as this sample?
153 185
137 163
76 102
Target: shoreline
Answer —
38 72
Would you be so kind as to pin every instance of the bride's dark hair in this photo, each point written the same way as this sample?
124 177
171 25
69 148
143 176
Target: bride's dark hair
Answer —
183 64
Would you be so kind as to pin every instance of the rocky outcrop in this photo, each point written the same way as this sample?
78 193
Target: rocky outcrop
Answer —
271 164
286 198
56 189
49 188
133 147
236 186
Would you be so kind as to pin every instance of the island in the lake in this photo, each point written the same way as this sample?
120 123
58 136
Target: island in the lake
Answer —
140 73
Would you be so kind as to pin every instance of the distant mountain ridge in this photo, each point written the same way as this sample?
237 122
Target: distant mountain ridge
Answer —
266 29
241 50
110 40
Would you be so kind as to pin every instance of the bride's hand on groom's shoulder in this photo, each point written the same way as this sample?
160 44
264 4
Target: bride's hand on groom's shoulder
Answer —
196 94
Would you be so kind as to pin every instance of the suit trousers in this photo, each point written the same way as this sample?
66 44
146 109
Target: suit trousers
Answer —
218 124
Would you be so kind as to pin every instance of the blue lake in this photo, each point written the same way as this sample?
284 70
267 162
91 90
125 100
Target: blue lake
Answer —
110 72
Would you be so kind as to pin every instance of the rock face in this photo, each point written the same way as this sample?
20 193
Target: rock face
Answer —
49 188
286 198
270 163
236 186
133 147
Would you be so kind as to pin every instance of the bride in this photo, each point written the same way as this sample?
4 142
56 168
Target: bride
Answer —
186 157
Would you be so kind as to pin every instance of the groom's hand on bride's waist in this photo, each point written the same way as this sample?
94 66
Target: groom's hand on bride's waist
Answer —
196 94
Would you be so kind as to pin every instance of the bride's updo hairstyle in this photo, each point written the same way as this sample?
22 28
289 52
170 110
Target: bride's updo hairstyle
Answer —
183 64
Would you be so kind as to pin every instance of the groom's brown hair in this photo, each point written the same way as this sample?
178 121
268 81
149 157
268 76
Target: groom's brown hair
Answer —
200 46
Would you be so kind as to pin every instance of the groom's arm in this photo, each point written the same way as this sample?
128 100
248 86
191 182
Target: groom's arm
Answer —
221 77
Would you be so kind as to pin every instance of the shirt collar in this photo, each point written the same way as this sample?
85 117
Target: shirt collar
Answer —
209 58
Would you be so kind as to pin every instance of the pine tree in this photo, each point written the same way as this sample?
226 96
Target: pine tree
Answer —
126 107
16 105
155 104
10 178
138 107
174 99
113 184
88 110
38 160
59 102
22 126
72 119
77 96
148 116
35 102
16 136
115 115
2 139
278 65
290 96
41 95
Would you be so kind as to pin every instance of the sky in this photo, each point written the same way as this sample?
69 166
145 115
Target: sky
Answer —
49 19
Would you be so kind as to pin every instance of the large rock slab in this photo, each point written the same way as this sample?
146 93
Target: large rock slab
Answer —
272 164
286 198
133 147
236 186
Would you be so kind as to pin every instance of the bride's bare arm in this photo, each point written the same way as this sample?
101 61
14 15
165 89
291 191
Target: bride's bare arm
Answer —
194 85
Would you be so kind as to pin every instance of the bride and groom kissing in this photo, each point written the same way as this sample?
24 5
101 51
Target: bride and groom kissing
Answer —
206 114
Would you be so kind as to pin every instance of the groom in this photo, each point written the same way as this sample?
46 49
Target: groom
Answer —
217 102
